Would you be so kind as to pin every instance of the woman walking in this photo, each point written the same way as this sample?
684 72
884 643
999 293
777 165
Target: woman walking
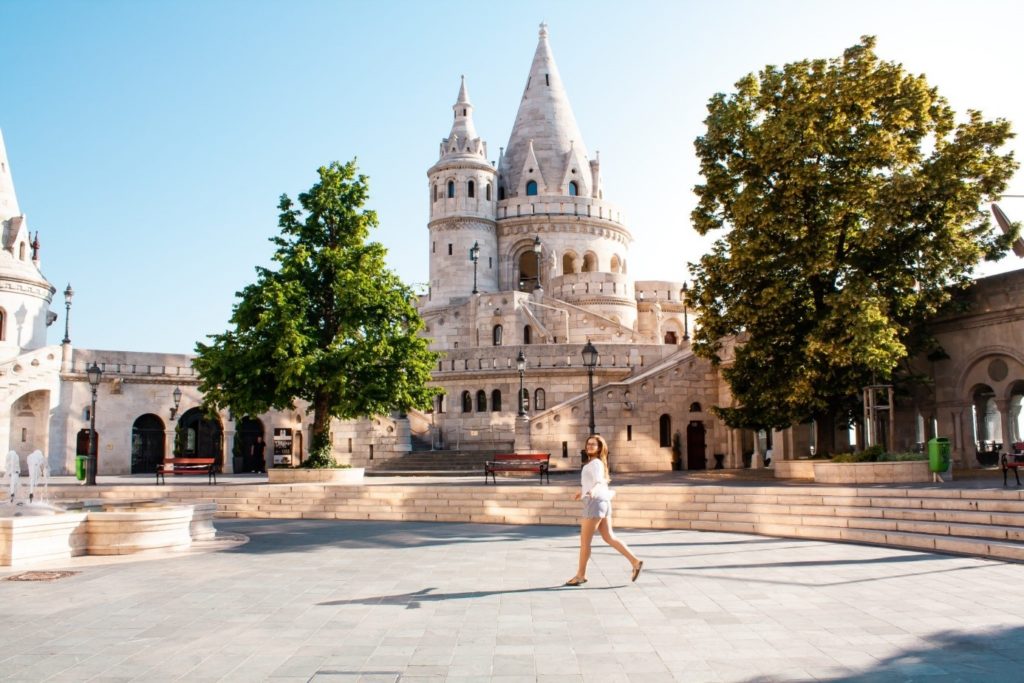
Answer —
597 509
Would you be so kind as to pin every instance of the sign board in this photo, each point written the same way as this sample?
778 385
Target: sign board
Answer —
282 446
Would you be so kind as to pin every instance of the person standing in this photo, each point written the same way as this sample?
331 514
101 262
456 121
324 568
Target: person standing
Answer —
258 456
597 509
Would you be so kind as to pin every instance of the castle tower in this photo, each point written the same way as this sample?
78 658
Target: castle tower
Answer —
549 189
462 205
25 295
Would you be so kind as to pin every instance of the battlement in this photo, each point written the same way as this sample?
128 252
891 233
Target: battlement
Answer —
557 205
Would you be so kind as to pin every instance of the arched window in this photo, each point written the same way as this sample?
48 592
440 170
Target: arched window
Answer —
527 335
487 192
496 401
471 189
568 263
3 324
695 407
524 399
501 193
467 402
435 192
670 337
589 263
531 188
573 190
496 335
665 431
451 189
440 403
615 263
538 399
481 401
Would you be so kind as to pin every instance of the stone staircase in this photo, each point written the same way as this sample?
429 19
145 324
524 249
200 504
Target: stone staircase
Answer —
971 521
448 461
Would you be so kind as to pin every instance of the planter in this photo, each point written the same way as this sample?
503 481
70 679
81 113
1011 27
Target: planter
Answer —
352 476
872 472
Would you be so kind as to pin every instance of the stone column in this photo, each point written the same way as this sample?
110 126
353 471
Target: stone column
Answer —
522 441
229 458
1003 406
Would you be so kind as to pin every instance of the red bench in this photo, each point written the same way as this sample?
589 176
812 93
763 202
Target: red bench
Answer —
186 466
519 462
1012 461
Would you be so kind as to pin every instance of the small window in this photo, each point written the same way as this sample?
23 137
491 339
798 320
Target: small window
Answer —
451 189
524 399
435 192
487 192
449 249
629 432
471 189
573 189
496 335
496 401
433 247
440 406
538 399
665 431
527 335
531 188
21 251
481 401
501 193
3 325
695 407
547 79
467 402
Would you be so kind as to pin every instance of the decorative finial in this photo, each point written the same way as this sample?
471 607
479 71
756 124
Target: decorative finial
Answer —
543 29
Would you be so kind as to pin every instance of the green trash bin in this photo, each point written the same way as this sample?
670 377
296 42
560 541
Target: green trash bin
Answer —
938 454
80 465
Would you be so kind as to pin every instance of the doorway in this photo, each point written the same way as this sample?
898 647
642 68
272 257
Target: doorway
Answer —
147 444
201 437
696 447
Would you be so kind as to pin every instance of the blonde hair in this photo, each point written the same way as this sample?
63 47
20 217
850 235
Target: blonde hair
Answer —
602 452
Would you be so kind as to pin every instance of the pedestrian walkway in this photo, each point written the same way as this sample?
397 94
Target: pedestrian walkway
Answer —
314 600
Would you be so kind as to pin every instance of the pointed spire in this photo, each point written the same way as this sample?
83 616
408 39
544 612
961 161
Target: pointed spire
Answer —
546 118
463 129
8 200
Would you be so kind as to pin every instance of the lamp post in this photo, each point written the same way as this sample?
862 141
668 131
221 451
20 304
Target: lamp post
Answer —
94 374
521 367
176 395
474 256
68 294
537 248
686 317
590 358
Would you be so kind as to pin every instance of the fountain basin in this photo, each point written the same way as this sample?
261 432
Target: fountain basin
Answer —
104 529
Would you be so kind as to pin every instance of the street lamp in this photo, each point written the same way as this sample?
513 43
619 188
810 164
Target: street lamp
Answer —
94 374
590 358
474 256
521 367
68 293
686 318
537 248
176 395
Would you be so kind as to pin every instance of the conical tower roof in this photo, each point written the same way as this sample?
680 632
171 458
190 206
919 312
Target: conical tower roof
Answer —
8 200
545 118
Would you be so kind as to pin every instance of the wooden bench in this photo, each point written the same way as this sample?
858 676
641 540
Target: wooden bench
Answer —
1012 461
186 466
519 462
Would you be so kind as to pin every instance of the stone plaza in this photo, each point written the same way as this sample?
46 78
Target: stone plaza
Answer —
386 600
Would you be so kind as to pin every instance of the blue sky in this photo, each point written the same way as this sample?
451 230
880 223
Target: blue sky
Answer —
150 141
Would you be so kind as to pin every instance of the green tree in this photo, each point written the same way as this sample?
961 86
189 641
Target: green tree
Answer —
329 325
850 197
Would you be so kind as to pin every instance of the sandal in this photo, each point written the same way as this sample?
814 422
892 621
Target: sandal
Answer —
575 581
637 568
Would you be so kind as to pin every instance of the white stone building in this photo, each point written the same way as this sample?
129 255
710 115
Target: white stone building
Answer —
528 257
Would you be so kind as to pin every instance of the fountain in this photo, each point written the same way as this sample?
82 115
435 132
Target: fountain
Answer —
35 530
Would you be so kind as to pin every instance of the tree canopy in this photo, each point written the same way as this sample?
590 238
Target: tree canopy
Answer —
850 195
329 325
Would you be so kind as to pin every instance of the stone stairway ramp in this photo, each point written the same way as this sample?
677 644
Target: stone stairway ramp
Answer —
980 522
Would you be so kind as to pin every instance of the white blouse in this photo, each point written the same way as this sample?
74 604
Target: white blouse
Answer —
593 482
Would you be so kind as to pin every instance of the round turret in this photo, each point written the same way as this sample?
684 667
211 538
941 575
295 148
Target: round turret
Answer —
462 207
